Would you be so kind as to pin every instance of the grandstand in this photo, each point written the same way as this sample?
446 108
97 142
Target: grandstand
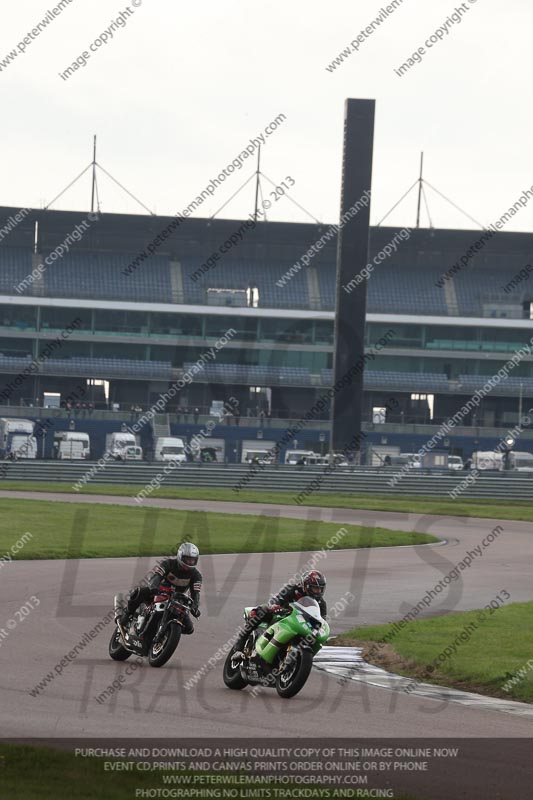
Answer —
141 329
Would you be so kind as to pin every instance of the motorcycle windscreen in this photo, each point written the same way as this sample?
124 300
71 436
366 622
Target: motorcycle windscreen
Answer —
309 607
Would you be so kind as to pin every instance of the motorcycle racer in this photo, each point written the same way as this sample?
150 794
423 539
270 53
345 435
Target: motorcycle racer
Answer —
179 573
312 585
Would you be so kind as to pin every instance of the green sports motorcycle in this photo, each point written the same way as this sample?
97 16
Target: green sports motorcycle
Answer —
280 653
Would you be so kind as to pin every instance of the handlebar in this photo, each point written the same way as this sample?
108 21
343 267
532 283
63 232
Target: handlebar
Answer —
182 598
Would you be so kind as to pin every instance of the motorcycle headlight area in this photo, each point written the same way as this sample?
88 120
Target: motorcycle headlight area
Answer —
160 606
311 622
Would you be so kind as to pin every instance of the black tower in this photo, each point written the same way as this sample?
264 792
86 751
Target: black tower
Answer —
352 257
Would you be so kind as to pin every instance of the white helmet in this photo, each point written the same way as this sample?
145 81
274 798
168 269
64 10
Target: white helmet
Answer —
187 555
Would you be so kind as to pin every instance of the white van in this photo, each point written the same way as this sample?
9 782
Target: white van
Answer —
252 456
131 453
71 445
339 459
487 460
117 442
455 463
169 448
521 461
257 449
17 439
314 460
293 456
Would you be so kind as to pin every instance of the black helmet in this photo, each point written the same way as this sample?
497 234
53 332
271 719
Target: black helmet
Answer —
314 584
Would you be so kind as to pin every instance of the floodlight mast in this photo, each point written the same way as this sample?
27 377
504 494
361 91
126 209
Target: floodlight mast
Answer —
420 189
93 191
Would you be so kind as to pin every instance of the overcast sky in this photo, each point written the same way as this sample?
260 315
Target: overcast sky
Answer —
180 90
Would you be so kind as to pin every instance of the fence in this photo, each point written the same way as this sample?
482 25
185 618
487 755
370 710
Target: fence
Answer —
362 480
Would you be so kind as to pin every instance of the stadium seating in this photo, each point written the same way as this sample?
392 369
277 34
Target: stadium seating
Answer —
406 289
472 286
15 266
88 275
392 287
253 374
242 275
13 364
300 376
112 367
406 381
327 278
470 383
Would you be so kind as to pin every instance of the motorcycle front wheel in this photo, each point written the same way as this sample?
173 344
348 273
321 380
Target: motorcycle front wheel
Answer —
161 651
232 672
295 674
117 651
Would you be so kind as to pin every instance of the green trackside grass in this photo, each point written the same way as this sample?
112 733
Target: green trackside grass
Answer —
77 530
492 509
496 651
36 773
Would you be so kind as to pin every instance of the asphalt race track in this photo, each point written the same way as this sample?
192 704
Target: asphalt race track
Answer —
75 596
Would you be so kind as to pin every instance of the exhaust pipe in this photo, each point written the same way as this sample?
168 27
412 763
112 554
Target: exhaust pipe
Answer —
118 605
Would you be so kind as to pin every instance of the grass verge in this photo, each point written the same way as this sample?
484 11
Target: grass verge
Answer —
492 650
486 508
75 530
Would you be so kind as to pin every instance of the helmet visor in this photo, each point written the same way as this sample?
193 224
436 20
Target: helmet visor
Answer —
190 561
315 591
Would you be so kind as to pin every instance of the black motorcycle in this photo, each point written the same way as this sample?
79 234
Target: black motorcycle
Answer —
154 631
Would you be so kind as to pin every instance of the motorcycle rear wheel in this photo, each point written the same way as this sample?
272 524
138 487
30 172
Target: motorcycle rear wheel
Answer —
232 672
161 652
291 680
117 651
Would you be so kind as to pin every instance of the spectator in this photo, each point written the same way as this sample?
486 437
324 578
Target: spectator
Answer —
237 415
179 412
90 408
268 418
185 414
196 415
261 419
387 462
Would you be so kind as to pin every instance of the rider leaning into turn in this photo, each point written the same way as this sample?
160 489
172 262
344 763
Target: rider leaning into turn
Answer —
181 573
312 585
